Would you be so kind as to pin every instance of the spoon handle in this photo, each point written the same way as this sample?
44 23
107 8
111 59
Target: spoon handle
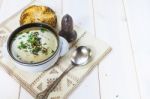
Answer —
49 89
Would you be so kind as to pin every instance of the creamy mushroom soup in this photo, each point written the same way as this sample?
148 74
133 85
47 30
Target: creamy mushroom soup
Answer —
34 45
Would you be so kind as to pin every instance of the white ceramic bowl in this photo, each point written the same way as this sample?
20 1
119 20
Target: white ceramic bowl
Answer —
62 48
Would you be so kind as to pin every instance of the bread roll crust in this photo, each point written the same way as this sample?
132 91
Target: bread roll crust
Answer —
36 13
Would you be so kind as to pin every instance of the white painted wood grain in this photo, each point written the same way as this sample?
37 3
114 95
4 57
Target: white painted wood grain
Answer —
1 1
117 71
9 7
9 88
24 94
138 15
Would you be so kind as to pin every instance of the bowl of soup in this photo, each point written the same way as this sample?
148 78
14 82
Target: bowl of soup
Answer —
35 47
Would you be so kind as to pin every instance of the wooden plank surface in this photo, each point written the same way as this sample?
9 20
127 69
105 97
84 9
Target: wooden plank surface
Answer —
9 7
1 1
24 94
9 88
117 72
139 27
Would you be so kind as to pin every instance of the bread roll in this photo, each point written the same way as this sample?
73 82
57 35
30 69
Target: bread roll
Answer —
36 13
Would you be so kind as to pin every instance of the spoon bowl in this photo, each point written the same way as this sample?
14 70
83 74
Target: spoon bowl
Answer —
81 56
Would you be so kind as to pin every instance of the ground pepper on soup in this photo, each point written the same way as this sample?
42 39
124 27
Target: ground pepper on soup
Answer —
34 45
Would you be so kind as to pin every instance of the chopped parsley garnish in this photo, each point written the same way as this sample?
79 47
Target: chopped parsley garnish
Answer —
17 55
31 61
23 35
35 50
34 40
45 51
45 44
53 51
43 30
22 45
26 50
33 44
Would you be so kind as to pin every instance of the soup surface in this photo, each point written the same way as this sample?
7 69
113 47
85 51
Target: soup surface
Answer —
34 45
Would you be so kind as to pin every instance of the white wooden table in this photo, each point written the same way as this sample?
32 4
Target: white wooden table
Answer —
125 25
